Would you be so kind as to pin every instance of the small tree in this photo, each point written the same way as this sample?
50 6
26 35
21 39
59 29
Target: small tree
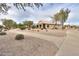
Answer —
8 23
28 24
56 18
33 26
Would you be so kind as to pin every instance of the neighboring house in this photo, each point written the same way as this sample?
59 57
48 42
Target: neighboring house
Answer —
43 24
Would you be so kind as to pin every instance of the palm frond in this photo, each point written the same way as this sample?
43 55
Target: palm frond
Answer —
4 7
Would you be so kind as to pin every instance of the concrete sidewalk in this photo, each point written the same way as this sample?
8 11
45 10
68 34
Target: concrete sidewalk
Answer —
70 46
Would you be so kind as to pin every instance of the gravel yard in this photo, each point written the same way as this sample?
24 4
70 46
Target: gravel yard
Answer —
29 46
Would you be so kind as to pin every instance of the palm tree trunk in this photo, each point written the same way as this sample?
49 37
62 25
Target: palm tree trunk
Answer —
55 24
62 23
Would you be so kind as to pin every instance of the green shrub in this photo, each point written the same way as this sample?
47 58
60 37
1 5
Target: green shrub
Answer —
19 37
23 28
2 33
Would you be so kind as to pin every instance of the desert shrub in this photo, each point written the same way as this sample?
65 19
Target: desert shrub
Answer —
19 37
5 29
37 30
2 33
41 28
56 28
64 27
23 28
29 29
1 28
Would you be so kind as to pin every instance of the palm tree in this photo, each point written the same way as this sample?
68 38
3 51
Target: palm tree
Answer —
63 15
56 19
4 8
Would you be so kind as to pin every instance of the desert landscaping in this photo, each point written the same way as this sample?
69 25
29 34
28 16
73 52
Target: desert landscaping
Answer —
28 29
39 43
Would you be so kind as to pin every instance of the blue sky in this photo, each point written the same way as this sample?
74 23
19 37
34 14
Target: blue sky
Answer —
43 13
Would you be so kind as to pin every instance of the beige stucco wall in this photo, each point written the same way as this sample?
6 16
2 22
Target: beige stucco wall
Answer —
49 26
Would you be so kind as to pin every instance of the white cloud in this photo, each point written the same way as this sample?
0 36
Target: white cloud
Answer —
43 13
